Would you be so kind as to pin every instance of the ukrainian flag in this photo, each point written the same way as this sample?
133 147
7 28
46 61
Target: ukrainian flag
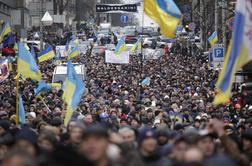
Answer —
33 52
137 45
73 52
42 87
56 85
57 60
27 66
165 13
239 52
121 46
73 91
67 45
6 30
213 38
21 111
46 54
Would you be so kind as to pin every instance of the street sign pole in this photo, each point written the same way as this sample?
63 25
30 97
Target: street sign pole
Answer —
41 25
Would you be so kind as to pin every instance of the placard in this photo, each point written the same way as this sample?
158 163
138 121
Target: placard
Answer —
111 57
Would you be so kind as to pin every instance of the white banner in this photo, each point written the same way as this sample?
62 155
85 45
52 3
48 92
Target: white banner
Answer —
62 50
152 54
123 58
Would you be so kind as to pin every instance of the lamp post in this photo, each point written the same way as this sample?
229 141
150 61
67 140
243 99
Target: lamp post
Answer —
216 16
41 24
224 5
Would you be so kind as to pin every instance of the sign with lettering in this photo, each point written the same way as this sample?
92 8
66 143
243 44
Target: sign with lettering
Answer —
116 8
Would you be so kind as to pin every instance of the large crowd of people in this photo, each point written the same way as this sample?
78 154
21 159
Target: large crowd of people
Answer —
119 121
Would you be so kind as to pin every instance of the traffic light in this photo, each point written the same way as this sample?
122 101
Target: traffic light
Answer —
187 28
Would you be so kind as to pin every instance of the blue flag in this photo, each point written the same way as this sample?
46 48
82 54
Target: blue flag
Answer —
73 91
21 111
33 52
10 39
27 65
42 87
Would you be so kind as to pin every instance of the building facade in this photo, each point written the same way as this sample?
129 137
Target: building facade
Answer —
15 12
6 6
37 8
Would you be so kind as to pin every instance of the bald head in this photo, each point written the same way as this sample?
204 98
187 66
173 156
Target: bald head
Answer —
193 155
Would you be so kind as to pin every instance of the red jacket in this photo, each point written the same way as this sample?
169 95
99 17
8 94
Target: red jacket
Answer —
8 51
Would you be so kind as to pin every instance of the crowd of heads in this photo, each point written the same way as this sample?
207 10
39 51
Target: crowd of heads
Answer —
172 121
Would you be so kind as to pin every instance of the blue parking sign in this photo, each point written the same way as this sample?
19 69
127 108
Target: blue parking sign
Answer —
218 54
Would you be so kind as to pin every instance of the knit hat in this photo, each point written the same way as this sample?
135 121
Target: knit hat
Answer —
27 134
247 135
56 121
96 129
146 133
5 124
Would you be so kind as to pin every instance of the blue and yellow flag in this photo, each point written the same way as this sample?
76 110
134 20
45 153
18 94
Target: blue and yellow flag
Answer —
121 46
57 60
74 40
27 66
5 31
42 87
33 52
56 85
21 111
137 45
165 13
239 51
213 38
47 53
73 91
73 52
67 45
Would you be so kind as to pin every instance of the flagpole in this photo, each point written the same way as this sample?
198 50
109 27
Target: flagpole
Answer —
17 95
142 56
43 101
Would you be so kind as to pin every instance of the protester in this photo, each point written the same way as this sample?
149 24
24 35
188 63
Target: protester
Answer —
119 121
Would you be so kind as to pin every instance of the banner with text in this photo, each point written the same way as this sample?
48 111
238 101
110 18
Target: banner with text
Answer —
116 8
111 57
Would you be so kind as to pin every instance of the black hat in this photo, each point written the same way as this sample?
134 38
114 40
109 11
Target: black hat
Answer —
27 134
247 135
163 132
6 139
5 124
57 121
96 129
178 126
146 133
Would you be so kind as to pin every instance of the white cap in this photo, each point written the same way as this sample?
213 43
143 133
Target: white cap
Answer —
198 118
32 114
157 121
204 115
166 96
